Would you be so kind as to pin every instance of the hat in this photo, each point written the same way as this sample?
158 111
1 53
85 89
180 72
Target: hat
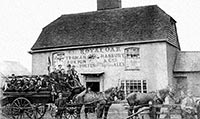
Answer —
68 65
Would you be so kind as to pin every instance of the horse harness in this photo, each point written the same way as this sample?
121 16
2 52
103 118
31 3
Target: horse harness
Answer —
158 98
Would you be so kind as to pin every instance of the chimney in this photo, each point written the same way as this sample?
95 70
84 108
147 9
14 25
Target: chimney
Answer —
108 4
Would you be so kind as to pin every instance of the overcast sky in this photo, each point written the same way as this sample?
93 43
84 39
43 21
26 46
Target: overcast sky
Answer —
21 22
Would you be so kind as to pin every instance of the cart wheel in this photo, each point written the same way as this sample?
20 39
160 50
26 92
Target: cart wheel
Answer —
40 110
70 113
22 109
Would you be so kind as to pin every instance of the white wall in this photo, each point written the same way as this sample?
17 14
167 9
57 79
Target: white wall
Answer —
153 63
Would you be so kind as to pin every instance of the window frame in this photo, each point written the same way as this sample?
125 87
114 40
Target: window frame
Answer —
127 90
137 58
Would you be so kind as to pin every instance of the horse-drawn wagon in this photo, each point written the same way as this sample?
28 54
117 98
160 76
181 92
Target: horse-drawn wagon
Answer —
21 101
28 97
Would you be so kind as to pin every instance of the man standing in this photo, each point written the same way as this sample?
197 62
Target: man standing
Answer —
188 106
59 102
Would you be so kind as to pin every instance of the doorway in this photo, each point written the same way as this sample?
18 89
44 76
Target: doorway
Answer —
95 86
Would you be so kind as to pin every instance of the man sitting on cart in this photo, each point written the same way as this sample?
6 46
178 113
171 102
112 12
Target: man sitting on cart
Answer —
73 77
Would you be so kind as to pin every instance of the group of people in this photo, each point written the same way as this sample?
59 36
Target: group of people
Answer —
190 107
56 81
25 84
69 78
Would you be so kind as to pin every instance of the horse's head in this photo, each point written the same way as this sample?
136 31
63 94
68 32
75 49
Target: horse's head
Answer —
120 94
111 93
78 90
163 93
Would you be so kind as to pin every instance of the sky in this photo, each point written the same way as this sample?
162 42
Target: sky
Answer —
21 22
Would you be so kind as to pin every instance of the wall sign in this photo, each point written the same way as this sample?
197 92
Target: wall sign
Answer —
90 57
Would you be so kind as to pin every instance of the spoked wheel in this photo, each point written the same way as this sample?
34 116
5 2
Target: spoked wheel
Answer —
21 109
40 110
70 113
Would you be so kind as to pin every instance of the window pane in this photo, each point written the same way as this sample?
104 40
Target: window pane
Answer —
135 86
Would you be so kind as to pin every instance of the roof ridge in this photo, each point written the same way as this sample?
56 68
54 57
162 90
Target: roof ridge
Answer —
189 51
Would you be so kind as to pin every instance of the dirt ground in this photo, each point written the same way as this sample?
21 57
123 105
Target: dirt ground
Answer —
117 111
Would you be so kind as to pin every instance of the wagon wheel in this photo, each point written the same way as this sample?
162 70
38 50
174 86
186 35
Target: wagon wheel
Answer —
70 113
21 109
40 110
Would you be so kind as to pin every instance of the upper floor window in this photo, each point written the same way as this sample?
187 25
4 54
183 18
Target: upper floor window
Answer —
132 58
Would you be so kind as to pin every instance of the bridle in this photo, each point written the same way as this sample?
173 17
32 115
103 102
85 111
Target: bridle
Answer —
160 99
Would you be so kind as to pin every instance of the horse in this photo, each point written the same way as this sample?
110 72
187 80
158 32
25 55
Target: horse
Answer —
101 100
138 100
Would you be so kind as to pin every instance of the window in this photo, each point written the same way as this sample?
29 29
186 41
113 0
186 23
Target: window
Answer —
132 58
58 59
130 86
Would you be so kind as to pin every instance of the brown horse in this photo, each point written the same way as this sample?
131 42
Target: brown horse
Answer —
138 100
101 100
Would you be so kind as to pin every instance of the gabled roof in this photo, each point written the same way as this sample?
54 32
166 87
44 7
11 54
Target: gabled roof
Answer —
187 61
145 23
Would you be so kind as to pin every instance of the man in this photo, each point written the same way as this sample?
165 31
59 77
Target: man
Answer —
31 85
188 106
69 69
69 76
38 86
74 72
19 85
59 68
25 87
62 76
59 102
75 76
54 74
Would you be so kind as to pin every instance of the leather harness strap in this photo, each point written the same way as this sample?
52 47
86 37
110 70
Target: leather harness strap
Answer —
158 97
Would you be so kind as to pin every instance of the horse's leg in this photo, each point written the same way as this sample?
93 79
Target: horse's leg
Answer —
130 111
79 112
106 110
100 108
158 115
152 112
135 111
86 111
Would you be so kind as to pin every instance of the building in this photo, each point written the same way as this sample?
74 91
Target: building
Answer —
136 48
187 72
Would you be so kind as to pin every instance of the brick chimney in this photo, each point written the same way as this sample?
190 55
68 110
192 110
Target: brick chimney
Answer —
108 4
